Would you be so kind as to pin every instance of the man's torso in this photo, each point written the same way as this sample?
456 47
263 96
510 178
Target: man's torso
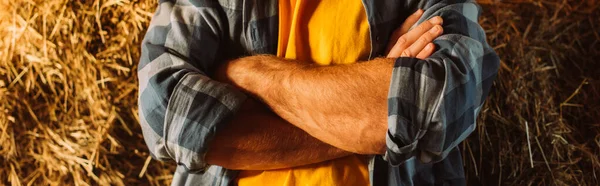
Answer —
251 27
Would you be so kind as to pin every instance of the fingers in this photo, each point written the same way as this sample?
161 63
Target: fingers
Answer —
411 20
427 51
420 43
413 35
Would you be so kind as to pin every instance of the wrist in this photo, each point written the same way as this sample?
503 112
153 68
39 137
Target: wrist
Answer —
258 74
238 74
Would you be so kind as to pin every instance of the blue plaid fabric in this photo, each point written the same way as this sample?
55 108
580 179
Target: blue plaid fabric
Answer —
433 103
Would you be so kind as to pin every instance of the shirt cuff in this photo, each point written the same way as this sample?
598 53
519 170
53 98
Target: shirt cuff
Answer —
198 108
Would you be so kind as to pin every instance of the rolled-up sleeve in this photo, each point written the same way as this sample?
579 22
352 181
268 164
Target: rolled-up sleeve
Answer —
433 103
180 107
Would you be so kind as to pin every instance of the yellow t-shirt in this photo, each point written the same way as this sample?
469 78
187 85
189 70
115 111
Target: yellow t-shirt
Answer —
324 32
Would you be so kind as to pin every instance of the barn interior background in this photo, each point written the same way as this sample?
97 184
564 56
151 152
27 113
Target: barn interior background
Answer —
68 94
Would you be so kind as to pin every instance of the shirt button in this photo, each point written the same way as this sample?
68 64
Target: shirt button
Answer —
377 38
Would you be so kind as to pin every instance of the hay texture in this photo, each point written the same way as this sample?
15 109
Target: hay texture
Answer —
541 122
68 94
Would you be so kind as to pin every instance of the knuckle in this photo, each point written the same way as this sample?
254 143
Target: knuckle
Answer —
406 53
421 28
426 38
401 40
425 26
423 41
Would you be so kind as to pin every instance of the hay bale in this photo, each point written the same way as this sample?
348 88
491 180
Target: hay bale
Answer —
540 124
68 95
68 88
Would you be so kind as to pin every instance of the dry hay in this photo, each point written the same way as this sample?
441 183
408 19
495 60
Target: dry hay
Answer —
68 95
540 125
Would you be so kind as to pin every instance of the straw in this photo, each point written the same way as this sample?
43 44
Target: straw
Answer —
68 95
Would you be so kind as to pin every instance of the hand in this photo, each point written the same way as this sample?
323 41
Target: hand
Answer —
416 42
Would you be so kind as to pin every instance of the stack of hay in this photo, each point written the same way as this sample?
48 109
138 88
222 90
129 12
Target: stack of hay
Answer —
68 95
541 123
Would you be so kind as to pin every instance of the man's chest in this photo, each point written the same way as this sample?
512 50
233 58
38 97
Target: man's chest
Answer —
252 27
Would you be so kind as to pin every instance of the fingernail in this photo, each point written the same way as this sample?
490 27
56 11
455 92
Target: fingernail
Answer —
428 47
419 12
435 29
436 20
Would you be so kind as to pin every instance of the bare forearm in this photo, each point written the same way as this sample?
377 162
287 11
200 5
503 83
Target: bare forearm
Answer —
257 139
344 105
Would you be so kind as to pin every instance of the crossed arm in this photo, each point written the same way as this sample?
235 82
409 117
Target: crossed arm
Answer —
260 140
182 109
328 107
344 105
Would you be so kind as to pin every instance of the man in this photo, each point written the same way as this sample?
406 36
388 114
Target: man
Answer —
348 100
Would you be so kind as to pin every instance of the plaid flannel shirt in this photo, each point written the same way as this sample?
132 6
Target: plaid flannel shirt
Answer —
433 103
